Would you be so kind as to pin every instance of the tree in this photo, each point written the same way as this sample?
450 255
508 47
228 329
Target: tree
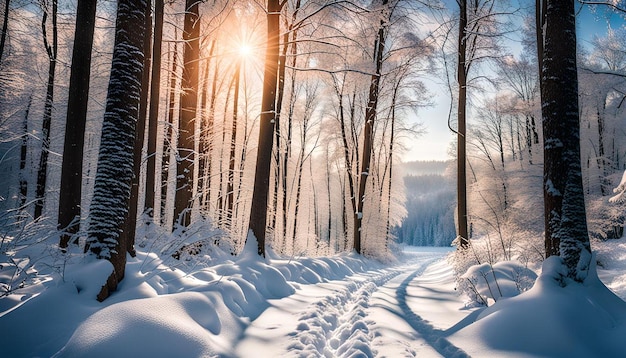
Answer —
370 117
70 192
109 206
5 25
461 186
130 224
155 90
51 50
564 206
183 201
258 211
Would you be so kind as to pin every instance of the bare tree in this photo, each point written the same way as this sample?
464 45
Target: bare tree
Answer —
51 50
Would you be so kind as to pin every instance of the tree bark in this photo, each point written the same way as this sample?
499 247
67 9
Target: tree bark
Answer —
168 135
130 225
565 218
233 147
51 49
109 206
258 211
23 156
70 193
153 116
461 186
368 138
5 26
183 201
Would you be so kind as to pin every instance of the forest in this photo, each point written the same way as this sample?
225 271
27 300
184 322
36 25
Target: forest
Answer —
205 135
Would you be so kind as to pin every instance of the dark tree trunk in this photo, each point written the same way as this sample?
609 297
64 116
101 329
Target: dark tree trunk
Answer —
258 211
153 116
70 192
109 206
183 201
565 218
5 26
23 155
461 186
233 147
130 225
42 172
348 167
368 139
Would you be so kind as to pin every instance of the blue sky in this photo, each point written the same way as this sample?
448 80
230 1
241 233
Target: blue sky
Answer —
434 145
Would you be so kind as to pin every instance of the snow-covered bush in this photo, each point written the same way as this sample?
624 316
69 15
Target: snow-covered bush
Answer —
485 284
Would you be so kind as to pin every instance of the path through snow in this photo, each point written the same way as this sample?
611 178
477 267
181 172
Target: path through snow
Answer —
398 311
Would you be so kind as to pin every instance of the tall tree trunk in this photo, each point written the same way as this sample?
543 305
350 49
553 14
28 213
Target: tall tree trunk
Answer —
130 225
233 147
5 26
206 131
222 191
153 116
23 155
461 186
601 160
183 201
280 94
109 206
348 166
70 192
565 218
368 140
330 216
42 172
258 211
168 135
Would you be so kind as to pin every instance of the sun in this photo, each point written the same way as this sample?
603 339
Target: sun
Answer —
245 50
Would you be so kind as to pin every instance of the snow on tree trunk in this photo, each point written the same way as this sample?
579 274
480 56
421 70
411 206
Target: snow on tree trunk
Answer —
565 218
109 206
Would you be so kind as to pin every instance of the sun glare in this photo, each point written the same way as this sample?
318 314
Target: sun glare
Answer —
245 50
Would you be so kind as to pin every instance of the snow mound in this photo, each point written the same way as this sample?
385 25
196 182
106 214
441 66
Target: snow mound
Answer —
551 319
488 283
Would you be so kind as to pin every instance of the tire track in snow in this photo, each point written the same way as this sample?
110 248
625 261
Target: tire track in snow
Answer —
338 325
433 336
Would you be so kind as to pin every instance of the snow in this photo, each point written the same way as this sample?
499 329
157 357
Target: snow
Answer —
338 306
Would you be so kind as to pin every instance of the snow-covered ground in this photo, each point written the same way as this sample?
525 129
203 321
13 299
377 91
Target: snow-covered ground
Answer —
340 306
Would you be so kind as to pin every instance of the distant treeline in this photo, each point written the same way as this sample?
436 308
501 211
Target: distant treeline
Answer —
419 167
430 209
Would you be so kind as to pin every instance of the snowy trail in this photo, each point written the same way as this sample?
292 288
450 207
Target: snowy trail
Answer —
354 317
